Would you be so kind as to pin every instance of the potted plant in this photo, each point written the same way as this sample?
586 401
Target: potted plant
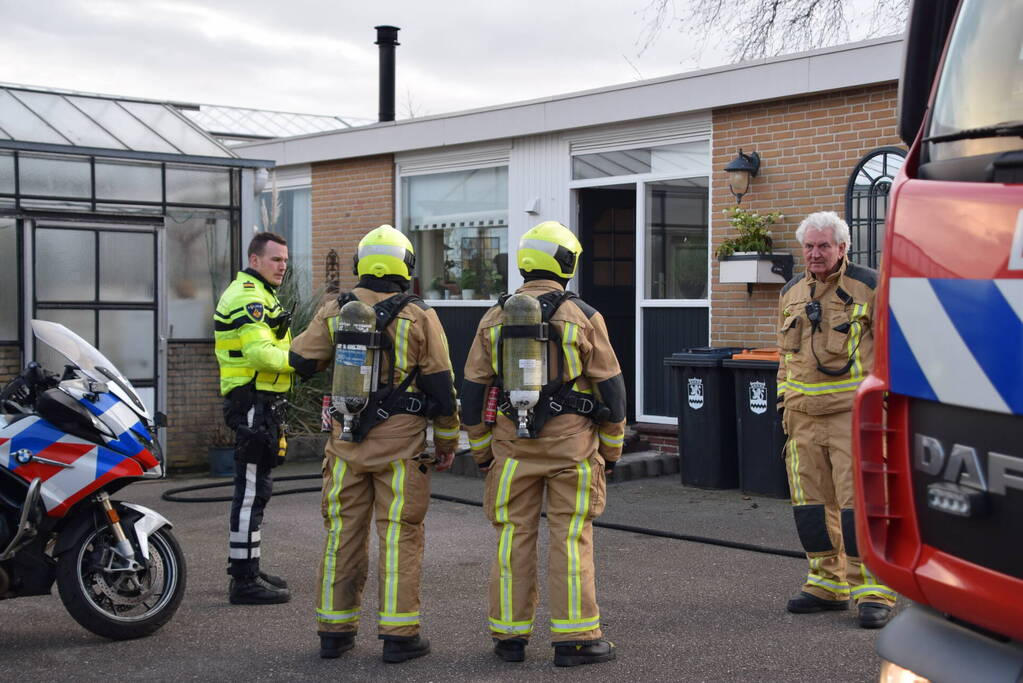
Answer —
220 441
469 281
749 256
435 288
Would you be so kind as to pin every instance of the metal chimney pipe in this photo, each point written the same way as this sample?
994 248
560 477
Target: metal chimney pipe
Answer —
387 39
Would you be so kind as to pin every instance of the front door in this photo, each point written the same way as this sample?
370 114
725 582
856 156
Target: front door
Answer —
100 280
607 270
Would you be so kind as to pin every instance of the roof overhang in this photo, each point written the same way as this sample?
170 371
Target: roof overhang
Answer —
847 66
75 150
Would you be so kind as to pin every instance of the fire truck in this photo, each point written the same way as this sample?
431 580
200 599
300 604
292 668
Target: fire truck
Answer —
938 426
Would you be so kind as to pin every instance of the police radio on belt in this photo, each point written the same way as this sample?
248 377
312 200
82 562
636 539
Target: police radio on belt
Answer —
356 363
524 358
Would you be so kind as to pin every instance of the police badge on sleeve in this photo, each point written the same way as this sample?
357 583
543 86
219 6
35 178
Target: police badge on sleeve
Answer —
255 311
695 393
758 397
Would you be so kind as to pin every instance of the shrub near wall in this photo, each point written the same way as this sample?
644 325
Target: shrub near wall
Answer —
809 147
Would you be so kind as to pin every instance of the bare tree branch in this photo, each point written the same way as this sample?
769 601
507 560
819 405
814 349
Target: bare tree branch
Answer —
753 29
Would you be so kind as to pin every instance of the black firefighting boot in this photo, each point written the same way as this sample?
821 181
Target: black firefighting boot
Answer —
275 581
583 652
873 614
511 650
397 649
805 603
251 590
333 644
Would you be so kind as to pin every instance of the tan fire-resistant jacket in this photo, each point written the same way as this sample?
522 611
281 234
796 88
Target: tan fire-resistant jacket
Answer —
588 358
419 341
845 333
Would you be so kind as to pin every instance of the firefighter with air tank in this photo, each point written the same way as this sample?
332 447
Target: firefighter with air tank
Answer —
544 405
392 375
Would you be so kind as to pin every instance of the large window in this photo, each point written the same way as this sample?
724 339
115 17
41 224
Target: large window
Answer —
293 220
458 224
199 268
866 203
676 239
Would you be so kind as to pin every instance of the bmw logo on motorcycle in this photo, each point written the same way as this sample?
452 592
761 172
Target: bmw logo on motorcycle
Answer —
23 456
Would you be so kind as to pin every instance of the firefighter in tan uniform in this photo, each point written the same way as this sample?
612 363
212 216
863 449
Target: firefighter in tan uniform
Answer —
576 435
826 339
384 470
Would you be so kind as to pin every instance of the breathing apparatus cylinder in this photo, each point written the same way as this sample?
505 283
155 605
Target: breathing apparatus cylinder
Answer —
523 358
356 365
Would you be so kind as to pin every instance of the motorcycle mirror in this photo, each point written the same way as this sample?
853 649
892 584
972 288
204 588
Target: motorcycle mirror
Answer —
160 419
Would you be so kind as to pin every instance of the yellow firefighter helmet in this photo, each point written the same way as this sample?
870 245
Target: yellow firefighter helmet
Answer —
385 251
552 247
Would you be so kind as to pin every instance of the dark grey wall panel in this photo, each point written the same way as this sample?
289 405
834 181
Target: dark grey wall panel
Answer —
665 331
460 325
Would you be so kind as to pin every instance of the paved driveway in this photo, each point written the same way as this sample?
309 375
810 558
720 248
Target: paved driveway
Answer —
678 611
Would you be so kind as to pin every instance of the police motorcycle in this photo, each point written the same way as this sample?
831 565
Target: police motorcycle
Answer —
66 444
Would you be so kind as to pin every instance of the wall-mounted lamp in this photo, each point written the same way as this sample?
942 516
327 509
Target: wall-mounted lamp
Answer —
740 170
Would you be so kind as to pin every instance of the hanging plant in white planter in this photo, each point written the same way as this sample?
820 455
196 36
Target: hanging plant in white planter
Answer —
749 255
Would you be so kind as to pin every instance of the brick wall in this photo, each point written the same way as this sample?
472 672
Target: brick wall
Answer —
193 403
350 197
10 362
809 147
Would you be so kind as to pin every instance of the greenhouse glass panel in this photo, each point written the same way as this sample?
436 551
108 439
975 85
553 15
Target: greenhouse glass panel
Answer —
192 185
130 349
175 129
294 223
65 265
54 176
69 121
21 124
199 268
8 279
127 271
128 181
7 173
130 130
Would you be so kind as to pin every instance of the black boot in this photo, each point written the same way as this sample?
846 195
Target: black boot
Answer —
275 581
333 644
510 650
805 603
583 652
249 590
873 614
405 649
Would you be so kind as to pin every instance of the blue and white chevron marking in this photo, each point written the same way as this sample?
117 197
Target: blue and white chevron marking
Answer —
958 341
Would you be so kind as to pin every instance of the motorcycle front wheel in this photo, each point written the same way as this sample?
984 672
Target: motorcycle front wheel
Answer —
116 603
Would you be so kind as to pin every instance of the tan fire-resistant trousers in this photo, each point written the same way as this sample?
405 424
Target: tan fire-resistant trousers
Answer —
513 497
818 457
398 493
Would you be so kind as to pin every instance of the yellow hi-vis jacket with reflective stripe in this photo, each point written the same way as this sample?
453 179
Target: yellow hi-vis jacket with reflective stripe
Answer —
246 346
844 336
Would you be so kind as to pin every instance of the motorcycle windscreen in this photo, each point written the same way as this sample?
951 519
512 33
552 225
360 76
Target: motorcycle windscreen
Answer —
89 360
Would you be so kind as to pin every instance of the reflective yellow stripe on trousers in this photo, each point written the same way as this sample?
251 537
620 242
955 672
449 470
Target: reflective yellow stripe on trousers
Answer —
504 551
389 614
576 621
325 611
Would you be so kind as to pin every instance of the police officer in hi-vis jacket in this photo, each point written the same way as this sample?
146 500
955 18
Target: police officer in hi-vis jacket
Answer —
381 469
563 446
826 338
252 338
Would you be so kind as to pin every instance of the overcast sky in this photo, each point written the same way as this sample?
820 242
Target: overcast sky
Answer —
318 56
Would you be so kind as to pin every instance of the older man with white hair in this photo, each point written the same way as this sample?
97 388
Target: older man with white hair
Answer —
826 337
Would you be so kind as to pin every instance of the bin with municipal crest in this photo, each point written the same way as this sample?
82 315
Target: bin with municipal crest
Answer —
759 433
706 415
